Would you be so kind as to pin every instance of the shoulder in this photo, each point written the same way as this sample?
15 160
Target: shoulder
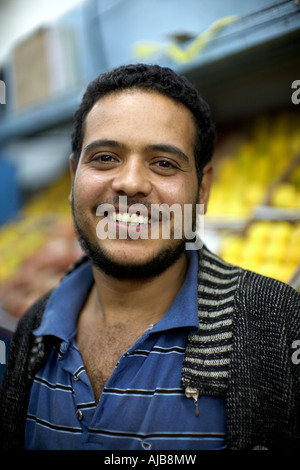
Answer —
32 317
269 307
253 293
23 339
248 282
272 294
212 266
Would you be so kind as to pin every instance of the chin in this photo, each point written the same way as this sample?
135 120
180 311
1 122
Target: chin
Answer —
139 269
124 267
121 260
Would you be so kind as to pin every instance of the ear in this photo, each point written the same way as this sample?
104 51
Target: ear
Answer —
206 185
72 173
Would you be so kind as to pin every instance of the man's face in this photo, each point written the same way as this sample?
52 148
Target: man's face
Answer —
138 145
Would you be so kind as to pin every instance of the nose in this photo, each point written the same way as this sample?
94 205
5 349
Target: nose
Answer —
132 179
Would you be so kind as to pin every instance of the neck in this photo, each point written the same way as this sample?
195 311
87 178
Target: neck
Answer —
118 301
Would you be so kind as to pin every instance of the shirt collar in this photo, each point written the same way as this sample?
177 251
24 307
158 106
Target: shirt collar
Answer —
64 305
183 312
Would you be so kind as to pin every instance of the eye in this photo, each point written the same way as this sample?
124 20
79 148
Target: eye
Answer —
165 166
105 158
104 161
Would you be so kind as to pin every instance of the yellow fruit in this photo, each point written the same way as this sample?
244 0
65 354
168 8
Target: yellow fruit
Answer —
285 195
231 248
293 249
275 251
259 231
270 269
253 252
281 231
255 194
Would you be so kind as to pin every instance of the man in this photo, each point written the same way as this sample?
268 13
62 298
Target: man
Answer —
149 343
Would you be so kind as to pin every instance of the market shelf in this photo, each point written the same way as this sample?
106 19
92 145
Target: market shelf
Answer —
256 56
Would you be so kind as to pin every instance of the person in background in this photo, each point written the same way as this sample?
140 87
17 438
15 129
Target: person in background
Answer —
150 342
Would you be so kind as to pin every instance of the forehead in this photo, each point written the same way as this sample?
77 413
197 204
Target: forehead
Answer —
142 115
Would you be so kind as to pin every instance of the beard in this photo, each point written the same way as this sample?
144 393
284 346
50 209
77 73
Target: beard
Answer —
98 256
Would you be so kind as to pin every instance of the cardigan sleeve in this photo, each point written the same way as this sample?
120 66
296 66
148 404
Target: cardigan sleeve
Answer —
15 384
263 402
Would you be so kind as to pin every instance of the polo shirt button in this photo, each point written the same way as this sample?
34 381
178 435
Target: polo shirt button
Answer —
146 445
75 377
79 415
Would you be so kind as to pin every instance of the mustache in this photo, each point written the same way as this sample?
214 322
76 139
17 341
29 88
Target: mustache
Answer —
141 206
123 202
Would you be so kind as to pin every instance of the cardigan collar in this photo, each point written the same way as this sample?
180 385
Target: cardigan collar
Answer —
207 358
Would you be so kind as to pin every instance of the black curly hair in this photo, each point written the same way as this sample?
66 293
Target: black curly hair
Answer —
154 78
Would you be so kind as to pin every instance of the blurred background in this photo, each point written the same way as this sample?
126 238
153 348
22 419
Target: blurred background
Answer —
244 59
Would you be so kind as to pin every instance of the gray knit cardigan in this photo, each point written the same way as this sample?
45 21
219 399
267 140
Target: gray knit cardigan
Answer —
242 352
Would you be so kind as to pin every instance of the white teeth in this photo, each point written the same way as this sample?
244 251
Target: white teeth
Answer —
134 218
125 217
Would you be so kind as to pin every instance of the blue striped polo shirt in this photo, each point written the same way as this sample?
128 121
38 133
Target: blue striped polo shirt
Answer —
143 405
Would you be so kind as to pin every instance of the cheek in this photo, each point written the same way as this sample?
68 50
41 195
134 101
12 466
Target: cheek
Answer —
87 188
181 193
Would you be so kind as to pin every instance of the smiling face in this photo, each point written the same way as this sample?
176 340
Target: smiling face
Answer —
138 145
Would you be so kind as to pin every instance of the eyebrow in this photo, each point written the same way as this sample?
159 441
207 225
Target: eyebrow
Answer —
103 143
166 148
